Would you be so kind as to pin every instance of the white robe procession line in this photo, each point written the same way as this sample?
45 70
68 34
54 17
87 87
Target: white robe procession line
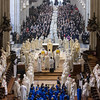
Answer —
39 69
17 89
57 59
47 64
4 84
23 91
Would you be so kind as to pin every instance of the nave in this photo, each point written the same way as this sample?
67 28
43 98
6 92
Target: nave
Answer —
53 65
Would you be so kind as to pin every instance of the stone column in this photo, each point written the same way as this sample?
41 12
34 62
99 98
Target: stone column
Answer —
24 11
6 35
94 7
27 8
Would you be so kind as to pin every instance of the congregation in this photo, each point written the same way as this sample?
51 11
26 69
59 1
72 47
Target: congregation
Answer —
40 55
70 22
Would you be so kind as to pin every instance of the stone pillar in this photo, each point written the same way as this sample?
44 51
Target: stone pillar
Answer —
93 40
27 8
6 35
24 11
94 7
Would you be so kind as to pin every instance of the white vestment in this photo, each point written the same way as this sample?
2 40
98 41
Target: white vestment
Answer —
4 84
23 91
15 70
92 82
16 89
57 59
1 71
50 53
85 91
30 76
39 69
73 91
47 64
51 61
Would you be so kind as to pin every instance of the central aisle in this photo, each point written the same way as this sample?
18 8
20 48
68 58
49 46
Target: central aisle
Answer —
53 27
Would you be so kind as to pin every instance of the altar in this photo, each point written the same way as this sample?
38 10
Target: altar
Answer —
54 46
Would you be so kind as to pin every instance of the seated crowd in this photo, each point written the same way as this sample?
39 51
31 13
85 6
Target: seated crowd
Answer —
36 25
70 22
39 28
47 93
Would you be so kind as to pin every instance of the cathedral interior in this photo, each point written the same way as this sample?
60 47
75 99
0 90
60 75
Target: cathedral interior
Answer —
49 49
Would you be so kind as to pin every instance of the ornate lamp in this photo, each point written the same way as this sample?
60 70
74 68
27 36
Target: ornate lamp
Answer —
92 25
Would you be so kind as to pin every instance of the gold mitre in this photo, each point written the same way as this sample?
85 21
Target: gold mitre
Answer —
42 52
57 51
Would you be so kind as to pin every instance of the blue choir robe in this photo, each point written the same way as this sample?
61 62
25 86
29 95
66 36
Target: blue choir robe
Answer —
61 96
41 98
56 93
57 87
45 97
65 96
46 89
33 92
42 93
38 92
53 97
79 92
31 98
50 94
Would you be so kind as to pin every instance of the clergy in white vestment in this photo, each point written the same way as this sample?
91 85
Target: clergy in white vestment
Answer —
68 83
47 64
73 91
66 72
23 58
57 60
92 81
26 82
23 91
1 69
17 88
30 76
51 61
39 67
86 90
15 68
4 84
50 53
